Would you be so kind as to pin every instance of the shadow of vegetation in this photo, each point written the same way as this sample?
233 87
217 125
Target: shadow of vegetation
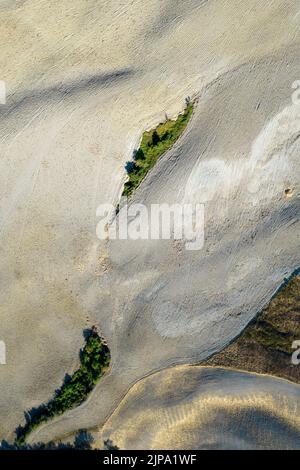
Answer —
130 167
83 441
109 445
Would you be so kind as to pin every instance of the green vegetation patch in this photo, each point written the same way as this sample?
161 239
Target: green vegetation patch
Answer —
278 325
94 361
154 144
269 336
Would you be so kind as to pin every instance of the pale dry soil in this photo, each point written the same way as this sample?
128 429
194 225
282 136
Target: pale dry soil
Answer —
193 407
84 80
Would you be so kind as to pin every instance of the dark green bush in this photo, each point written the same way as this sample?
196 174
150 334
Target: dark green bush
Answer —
154 144
94 361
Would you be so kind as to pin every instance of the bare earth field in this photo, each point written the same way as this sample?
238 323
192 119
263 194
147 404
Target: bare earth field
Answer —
84 79
192 407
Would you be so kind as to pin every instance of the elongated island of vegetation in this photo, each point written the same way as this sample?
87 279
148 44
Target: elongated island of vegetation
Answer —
153 145
94 361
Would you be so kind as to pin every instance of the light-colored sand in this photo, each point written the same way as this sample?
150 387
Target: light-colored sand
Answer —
205 408
84 79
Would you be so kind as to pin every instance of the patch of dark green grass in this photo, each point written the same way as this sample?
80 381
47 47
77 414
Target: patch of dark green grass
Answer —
94 361
278 325
153 145
266 334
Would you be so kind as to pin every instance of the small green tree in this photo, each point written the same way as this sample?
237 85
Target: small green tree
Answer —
155 138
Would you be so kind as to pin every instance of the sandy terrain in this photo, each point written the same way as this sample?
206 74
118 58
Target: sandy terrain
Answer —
191 407
84 80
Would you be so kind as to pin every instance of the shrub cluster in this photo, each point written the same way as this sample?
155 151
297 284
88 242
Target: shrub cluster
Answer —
94 361
154 144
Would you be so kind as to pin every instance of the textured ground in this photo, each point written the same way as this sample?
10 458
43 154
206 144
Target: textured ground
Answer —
206 408
84 80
